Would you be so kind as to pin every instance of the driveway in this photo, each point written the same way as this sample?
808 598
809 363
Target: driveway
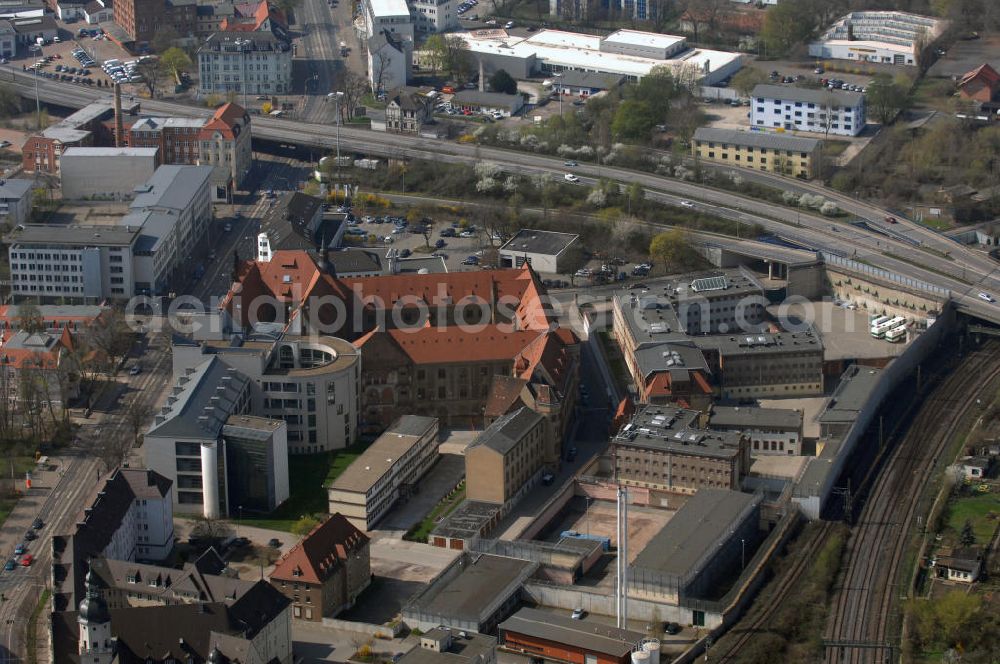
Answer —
442 478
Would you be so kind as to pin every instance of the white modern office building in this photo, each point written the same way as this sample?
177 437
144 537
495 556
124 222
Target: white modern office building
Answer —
434 15
786 108
136 254
886 37
392 16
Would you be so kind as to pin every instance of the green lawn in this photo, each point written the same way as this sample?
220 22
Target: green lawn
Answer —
936 224
308 475
977 510
448 504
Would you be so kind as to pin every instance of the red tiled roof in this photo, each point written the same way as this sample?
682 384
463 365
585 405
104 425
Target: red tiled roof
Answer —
228 119
984 72
319 553
433 345
504 396
549 352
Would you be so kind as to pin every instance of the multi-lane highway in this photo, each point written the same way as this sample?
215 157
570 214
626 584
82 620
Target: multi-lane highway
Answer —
938 260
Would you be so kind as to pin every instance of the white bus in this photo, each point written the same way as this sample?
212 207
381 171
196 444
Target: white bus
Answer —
878 331
879 320
896 335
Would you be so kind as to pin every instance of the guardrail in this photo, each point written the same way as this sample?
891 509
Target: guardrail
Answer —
881 273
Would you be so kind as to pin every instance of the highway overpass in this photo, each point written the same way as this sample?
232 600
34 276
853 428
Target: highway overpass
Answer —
923 255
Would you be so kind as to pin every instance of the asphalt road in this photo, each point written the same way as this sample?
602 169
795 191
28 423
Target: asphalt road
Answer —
61 494
319 46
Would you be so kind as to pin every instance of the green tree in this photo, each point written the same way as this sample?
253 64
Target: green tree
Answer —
794 21
670 248
501 81
634 120
635 195
174 61
304 526
885 98
435 53
747 79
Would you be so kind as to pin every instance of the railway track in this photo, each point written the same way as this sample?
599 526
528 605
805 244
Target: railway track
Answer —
786 582
858 627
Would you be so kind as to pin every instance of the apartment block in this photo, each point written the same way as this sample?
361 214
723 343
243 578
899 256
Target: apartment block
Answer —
324 573
506 459
665 448
804 109
254 63
140 19
387 471
774 153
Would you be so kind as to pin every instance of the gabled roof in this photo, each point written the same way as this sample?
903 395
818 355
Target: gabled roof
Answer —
453 344
35 350
229 120
504 396
506 432
320 552
984 73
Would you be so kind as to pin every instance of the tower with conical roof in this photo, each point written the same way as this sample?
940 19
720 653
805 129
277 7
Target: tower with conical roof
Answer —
96 645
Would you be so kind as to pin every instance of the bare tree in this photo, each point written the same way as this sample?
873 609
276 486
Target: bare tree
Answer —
137 416
111 336
29 318
381 62
354 86
214 530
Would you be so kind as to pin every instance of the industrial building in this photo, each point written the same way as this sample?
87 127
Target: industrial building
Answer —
845 405
664 448
387 471
442 645
475 593
771 430
887 37
707 540
822 111
771 152
779 364
106 173
543 250
630 54
557 637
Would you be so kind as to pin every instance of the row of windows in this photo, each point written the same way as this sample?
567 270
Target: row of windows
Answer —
750 148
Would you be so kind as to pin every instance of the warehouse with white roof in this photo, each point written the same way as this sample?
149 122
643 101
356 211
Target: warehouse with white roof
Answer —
629 53
886 37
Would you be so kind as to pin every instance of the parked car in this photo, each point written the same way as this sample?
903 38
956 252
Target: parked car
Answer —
30 535
671 628
27 560
274 543
37 524
20 549
135 370
439 244
548 479
10 564
571 454
578 614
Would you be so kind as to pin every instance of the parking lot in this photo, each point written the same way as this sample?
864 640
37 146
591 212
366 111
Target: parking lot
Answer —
60 56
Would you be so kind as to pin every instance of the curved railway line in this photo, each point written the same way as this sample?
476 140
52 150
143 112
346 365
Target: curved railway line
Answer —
858 627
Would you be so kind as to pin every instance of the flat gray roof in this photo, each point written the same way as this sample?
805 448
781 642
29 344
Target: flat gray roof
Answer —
431 264
463 648
91 236
851 395
172 186
589 79
676 429
672 357
110 152
539 242
756 139
821 96
584 634
466 595
761 344
384 453
751 418
686 543
15 189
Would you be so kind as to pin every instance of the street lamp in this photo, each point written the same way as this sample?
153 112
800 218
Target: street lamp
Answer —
336 97
238 519
743 554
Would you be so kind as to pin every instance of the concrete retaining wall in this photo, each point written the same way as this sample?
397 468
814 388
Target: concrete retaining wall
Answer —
368 629
549 512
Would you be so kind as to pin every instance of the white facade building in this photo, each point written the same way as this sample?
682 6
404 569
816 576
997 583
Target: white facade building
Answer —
800 109
886 37
389 60
434 15
256 63
389 15
105 173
